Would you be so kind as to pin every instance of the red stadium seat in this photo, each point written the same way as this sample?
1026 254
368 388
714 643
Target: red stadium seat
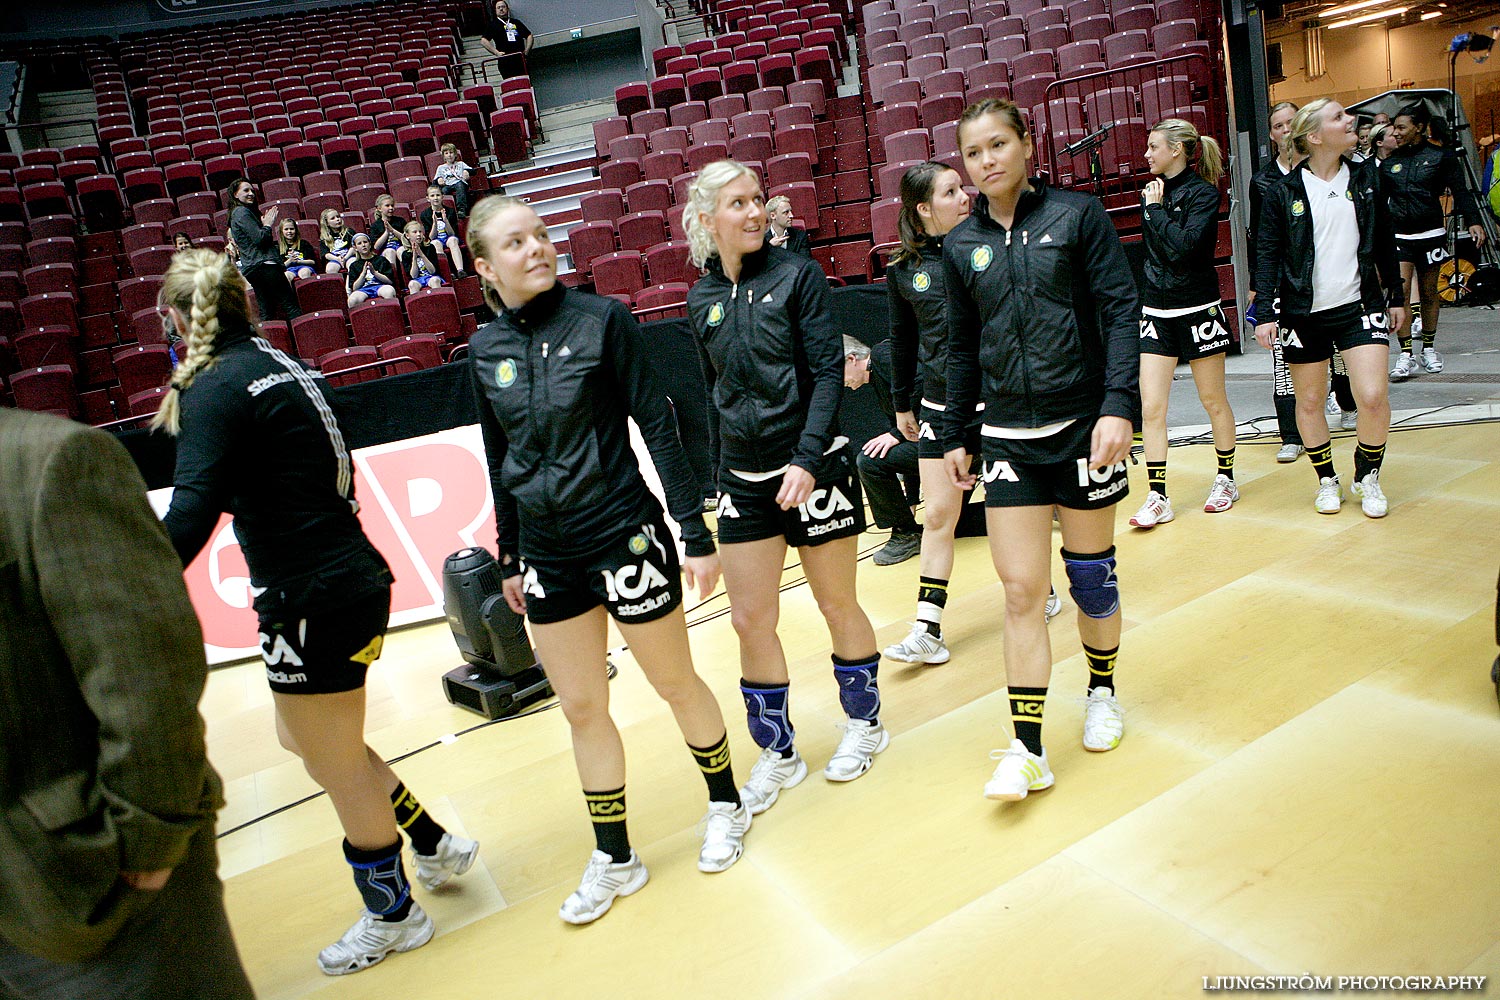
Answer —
375 322
630 98
142 367
423 348
344 358
605 205
620 272
620 173
670 262
607 130
322 293
434 311
318 333
642 229
590 240
48 387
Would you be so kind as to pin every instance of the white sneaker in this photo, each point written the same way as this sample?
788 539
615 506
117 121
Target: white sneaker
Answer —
921 646
723 835
1404 368
603 880
371 939
1349 420
1054 606
856 751
1330 496
771 775
1156 510
1221 495
1289 453
1432 360
1331 406
1103 721
1371 497
455 855
1019 773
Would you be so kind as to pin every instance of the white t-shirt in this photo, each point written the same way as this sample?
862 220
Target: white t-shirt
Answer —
1335 240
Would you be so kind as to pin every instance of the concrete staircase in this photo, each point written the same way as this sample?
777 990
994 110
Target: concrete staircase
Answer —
64 105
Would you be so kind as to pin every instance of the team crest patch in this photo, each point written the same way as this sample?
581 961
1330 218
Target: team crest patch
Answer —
981 258
638 545
505 373
716 314
1213 311
1395 168
921 281
1298 207
1349 195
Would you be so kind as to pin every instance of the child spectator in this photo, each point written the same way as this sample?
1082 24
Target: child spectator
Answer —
370 275
181 241
452 175
297 255
385 232
441 229
337 239
418 259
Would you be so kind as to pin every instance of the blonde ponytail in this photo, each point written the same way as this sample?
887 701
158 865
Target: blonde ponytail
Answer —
1201 151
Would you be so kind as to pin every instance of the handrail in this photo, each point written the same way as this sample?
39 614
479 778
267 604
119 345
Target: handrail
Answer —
92 123
383 363
646 310
703 18
126 420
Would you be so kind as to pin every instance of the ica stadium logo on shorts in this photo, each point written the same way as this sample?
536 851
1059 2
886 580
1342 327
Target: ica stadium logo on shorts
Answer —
921 281
981 258
1298 207
638 545
716 314
505 373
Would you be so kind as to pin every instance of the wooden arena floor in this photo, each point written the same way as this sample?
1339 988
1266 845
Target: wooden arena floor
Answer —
1309 783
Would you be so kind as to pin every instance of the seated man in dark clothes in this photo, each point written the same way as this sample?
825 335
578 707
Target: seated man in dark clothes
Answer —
889 460
783 233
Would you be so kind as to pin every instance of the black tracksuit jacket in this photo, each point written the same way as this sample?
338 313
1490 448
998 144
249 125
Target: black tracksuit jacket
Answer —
1415 178
1285 234
260 442
1261 181
919 327
772 360
1181 238
1043 318
554 381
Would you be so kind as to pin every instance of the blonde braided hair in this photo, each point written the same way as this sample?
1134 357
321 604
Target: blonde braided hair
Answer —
209 290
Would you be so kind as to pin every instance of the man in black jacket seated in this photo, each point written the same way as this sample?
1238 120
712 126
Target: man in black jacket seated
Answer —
783 233
888 462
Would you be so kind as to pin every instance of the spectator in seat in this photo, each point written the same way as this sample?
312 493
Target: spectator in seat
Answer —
452 175
337 239
442 229
783 233
386 230
418 259
370 275
298 256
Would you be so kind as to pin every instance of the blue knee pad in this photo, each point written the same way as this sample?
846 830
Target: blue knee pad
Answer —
859 692
1092 582
766 716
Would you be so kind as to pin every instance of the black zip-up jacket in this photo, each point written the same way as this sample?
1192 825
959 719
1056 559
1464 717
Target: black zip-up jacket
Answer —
1286 255
772 360
260 442
554 381
1260 182
257 243
882 383
1415 178
1181 237
1045 312
919 327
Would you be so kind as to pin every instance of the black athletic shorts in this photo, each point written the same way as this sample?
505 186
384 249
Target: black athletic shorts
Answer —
327 652
1038 472
748 511
1424 252
1187 334
930 431
1310 339
636 577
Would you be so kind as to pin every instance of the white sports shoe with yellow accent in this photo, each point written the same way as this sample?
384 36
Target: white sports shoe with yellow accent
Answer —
455 855
920 646
1019 773
1103 722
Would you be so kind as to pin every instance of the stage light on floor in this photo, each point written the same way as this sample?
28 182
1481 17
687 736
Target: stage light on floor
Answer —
500 676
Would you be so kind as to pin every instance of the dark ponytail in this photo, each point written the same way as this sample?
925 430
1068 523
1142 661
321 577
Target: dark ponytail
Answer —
917 187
